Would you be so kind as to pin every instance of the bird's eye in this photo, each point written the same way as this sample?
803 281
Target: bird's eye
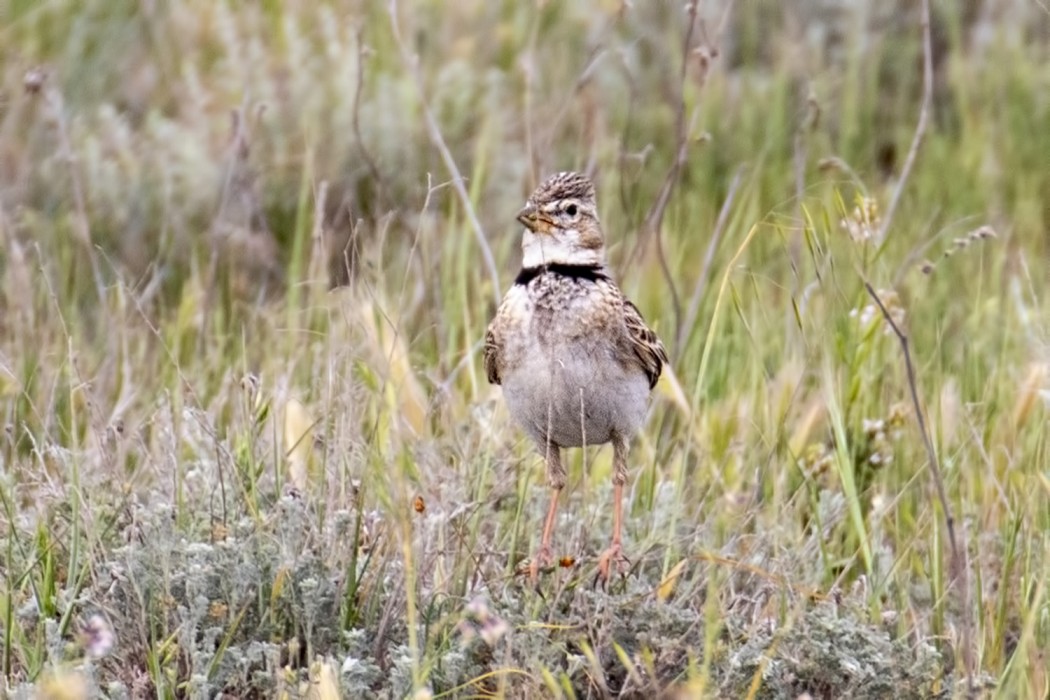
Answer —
571 210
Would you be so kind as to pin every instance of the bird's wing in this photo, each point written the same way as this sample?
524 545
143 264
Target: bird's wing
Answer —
646 345
493 349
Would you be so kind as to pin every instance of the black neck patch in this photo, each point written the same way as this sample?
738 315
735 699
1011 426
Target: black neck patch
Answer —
591 273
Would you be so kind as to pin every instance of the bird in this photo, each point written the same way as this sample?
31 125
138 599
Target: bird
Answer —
574 357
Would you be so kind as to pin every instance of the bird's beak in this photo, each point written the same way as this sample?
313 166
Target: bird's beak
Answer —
529 216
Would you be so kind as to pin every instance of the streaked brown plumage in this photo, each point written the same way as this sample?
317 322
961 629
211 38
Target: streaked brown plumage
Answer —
574 357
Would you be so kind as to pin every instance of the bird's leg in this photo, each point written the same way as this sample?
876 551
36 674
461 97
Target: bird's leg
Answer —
556 479
613 555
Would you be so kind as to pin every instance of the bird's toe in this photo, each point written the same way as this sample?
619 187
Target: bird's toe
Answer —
611 561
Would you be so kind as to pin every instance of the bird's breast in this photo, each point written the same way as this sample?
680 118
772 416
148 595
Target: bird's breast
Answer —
566 378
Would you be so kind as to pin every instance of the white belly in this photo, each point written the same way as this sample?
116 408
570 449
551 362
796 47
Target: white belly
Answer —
576 395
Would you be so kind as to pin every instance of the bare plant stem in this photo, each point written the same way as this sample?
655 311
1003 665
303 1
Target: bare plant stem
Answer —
920 128
365 153
654 219
801 156
82 225
651 228
238 151
959 582
438 141
709 256
957 565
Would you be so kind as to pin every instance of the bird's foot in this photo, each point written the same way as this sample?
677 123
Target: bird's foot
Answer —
611 560
542 560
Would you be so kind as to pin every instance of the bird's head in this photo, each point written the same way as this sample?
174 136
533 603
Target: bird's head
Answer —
561 223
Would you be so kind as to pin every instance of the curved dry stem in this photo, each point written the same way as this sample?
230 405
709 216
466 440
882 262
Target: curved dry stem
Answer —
438 141
957 564
920 128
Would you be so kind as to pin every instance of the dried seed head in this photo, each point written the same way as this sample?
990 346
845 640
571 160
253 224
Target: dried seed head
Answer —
34 80
982 233
97 636
250 383
870 313
863 224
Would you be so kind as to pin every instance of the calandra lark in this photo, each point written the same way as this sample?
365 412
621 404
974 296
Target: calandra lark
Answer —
574 357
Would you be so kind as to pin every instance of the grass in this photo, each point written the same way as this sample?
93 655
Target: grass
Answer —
249 448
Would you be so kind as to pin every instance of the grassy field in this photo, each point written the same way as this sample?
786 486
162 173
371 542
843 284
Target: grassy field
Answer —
248 252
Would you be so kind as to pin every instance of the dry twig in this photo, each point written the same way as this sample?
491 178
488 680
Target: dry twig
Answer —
651 227
438 141
957 563
801 155
362 54
705 271
34 82
920 128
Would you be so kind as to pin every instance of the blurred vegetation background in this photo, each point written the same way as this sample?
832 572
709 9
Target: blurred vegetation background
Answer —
248 252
